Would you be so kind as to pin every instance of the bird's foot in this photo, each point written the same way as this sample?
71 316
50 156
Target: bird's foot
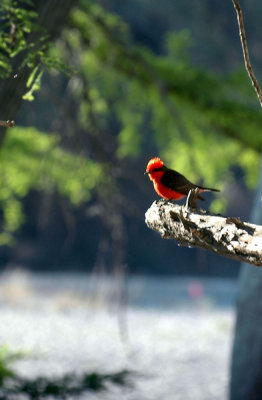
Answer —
165 201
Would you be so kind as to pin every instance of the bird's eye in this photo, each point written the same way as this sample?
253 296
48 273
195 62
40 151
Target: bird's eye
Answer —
156 169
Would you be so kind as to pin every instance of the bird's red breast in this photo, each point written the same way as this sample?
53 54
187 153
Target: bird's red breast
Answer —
155 169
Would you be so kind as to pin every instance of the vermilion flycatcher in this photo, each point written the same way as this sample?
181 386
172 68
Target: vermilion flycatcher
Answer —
170 184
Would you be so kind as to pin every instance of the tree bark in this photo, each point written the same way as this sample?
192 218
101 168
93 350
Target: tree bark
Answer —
226 236
246 363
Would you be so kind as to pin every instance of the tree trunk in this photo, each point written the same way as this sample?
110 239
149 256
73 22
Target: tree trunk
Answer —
246 368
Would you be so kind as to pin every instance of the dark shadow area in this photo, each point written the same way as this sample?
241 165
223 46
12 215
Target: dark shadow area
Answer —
60 388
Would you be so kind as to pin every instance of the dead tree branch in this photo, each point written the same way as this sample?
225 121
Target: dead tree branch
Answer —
7 124
243 40
226 236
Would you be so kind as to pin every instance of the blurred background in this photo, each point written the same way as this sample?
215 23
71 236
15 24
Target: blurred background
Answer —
96 89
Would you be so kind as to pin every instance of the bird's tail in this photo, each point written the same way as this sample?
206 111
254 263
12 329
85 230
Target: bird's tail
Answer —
206 189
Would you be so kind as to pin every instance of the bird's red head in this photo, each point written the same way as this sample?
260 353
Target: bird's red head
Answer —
154 163
154 168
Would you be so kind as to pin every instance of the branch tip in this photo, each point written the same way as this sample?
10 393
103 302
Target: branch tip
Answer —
7 124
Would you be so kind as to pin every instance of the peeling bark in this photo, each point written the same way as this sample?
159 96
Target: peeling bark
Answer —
226 236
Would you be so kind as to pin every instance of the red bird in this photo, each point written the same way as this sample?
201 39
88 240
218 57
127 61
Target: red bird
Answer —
170 184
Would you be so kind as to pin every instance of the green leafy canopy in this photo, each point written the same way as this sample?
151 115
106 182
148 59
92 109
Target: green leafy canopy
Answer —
33 160
22 37
201 123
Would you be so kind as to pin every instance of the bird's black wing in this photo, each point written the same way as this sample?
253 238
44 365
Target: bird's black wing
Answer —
177 182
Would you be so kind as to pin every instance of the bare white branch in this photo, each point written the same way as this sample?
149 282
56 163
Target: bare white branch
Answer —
226 236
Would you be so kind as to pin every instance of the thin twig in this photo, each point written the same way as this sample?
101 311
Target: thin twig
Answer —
243 40
7 124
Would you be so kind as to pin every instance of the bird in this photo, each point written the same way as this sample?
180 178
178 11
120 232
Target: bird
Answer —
170 184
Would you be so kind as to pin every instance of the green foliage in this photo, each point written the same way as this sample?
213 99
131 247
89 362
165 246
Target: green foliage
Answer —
21 36
30 160
178 45
62 387
16 24
200 123
33 83
7 358
132 118
67 385
5 370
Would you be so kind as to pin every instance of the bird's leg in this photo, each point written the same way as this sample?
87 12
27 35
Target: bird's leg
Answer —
165 201
192 198
189 198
